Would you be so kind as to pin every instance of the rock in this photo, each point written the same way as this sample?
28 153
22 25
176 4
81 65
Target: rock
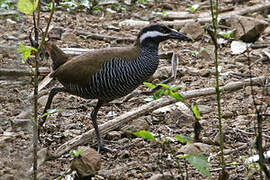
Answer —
176 111
69 37
137 124
8 177
204 109
193 30
165 176
252 30
195 149
87 164
133 23
238 47
204 73
113 135
206 55
21 124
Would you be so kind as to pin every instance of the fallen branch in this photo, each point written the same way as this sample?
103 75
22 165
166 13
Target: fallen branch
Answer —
104 37
149 107
22 72
206 18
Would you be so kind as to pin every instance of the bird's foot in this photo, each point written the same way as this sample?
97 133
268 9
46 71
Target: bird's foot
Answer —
103 148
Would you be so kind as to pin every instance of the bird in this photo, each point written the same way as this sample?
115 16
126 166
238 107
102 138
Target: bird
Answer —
109 73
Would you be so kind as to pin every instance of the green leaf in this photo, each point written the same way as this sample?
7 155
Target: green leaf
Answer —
183 139
25 52
145 135
75 153
196 111
183 156
194 8
200 163
150 85
175 88
164 13
226 34
50 111
27 6
164 85
158 94
167 92
177 96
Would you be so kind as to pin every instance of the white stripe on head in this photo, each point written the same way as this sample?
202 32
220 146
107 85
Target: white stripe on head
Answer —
151 34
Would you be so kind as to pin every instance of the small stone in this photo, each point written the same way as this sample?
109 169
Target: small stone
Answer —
133 23
113 135
87 164
178 110
204 73
193 30
204 123
165 176
124 154
204 109
69 37
137 125
227 114
195 148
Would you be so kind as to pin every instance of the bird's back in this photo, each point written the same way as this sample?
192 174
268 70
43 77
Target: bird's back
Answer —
107 74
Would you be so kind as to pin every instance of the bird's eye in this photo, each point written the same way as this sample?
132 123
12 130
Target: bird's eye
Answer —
163 30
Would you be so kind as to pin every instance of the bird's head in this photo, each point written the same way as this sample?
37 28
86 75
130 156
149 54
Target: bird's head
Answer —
157 33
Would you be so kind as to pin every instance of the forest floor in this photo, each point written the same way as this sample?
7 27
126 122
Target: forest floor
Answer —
135 158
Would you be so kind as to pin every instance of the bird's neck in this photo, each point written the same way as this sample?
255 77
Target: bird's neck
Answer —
149 51
147 61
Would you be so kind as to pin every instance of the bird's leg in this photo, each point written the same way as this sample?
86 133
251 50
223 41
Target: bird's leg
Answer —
52 93
94 121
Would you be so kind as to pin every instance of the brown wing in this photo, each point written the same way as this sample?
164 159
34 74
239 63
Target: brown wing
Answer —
80 69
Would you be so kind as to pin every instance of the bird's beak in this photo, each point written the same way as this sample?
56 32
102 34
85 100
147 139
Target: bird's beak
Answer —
176 35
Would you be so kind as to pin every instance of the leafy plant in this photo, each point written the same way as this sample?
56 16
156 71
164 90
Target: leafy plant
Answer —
166 90
25 52
197 161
